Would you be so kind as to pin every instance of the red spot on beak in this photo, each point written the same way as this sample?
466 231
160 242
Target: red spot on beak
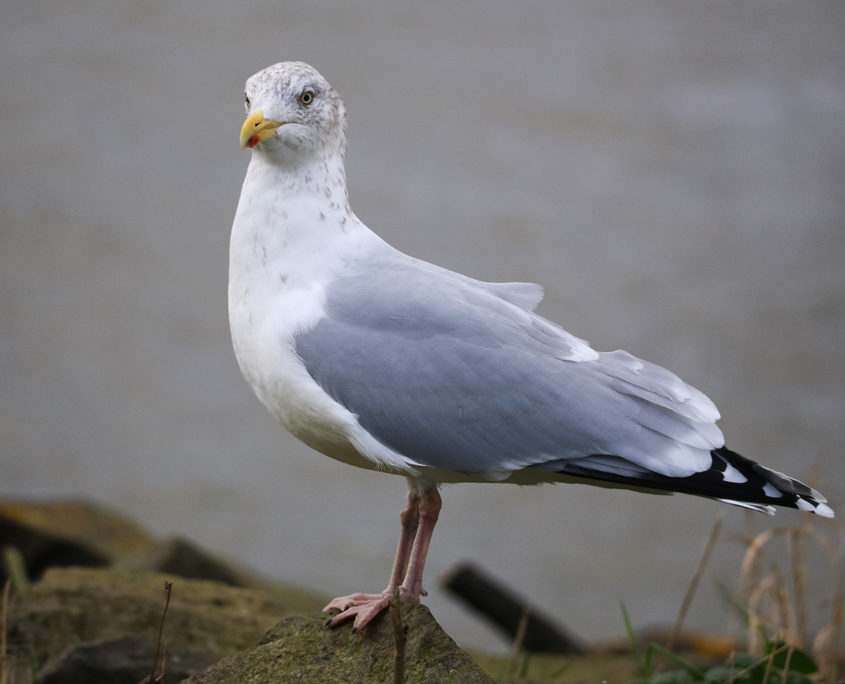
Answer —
253 141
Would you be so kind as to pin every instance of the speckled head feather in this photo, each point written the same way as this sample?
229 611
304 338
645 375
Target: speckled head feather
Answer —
311 112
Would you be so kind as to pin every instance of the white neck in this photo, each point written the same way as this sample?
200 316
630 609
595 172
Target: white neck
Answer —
320 178
293 223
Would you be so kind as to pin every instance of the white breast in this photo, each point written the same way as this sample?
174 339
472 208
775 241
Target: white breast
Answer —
277 278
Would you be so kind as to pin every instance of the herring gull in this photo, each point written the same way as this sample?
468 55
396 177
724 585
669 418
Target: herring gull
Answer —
387 362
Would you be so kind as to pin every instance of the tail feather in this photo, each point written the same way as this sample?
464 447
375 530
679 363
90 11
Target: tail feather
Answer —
731 478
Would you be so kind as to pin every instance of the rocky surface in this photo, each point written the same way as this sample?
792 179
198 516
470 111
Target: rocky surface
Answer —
67 532
101 625
98 599
78 614
301 649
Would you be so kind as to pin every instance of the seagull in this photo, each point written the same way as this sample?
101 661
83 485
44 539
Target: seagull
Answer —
390 363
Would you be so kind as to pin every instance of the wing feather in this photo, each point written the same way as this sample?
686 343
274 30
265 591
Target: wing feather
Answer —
454 377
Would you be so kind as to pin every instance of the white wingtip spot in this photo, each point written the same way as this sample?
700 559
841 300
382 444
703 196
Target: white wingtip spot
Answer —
771 491
731 474
802 505
824 511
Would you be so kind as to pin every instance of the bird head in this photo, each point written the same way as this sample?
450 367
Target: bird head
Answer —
292 111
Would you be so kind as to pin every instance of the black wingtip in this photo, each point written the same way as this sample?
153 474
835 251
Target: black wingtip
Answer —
763 485
731 478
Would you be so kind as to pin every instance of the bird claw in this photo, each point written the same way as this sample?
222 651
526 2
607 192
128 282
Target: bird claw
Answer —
343 603
363 608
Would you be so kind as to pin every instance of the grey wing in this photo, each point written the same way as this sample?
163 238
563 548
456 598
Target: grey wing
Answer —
524 295
452 376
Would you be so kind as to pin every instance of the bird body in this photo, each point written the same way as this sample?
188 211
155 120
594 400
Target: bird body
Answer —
387 362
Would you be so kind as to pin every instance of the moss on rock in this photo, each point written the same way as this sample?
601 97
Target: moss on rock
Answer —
301 649
205 620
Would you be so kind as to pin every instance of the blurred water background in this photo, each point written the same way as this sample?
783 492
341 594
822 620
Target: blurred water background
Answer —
672 172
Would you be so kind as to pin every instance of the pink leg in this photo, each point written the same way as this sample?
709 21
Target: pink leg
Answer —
410 518
418 521
364 607
429 511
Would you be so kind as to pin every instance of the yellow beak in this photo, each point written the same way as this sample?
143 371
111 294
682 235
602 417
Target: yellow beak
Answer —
256 128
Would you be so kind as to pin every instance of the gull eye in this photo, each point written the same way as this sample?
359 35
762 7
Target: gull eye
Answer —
246 102
307 97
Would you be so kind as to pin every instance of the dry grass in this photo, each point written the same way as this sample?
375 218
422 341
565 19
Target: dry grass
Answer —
161 644
793 591
791 594
694 582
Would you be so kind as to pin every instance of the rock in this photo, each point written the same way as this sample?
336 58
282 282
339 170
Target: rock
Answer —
178 556
64 533
74 607
101 625
67 533
125 660
302 650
